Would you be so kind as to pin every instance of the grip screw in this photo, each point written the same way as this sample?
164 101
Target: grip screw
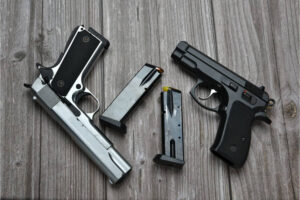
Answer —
233 148
60 83
85 39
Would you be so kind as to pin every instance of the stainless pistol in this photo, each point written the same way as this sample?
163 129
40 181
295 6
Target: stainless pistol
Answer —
58 89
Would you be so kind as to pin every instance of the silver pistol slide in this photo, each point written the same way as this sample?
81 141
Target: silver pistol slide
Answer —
58 90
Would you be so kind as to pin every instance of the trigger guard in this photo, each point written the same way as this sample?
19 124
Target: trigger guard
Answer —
85 93
193 94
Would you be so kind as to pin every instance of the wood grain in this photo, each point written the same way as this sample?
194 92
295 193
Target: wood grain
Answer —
135 24
285 26
257 39
245 44
19 119
203 176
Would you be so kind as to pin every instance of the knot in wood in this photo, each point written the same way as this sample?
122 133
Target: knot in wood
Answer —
20 55
290 109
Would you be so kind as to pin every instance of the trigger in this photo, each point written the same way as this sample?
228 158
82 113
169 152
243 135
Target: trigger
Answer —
79 96
263 117
212 91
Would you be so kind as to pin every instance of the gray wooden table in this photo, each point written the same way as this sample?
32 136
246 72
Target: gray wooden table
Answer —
258 39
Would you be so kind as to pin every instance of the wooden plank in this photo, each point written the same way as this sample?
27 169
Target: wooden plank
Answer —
66 172
131 29
285 26
19 118
148 31
204 176
245 44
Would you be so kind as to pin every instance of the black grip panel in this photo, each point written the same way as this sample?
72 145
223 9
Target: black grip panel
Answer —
78 55
234 135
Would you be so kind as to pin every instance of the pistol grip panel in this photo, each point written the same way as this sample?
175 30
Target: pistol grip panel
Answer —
81 50
234 134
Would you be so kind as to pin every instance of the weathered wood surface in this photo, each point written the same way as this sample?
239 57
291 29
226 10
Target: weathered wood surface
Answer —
258 39
19 118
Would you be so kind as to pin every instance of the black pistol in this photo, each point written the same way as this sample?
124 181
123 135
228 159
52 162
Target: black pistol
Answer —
241 102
